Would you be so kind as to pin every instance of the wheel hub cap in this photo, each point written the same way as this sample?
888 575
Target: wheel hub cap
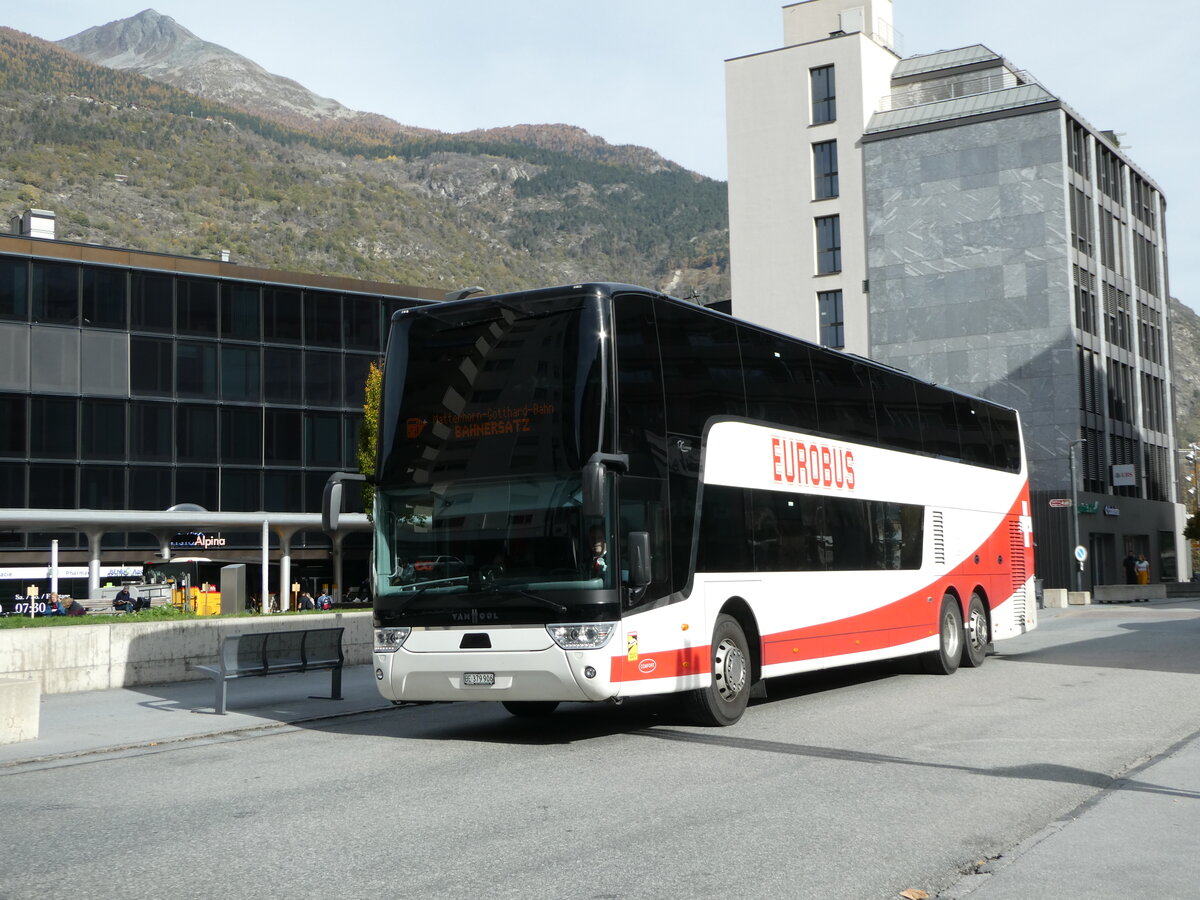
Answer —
729 669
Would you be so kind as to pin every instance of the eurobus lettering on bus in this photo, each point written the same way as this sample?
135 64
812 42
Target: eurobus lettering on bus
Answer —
596 492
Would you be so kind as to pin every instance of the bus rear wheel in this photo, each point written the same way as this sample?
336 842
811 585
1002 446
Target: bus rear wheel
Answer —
944 660
977 635
724 700
530 708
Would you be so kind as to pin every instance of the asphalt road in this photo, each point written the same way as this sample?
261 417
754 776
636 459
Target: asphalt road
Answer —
855 784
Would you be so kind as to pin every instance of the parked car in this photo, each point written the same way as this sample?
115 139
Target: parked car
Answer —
439 566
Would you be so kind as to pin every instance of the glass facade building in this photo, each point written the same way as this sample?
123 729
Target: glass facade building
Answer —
133 380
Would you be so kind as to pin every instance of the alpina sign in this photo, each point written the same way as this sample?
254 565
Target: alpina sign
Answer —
197 539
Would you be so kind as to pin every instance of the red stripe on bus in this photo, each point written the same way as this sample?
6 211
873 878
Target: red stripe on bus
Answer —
662 664
908 619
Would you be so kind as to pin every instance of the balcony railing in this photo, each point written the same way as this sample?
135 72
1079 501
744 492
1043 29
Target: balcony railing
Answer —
952 88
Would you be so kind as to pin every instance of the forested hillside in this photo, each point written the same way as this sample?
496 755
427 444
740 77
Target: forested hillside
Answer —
129 162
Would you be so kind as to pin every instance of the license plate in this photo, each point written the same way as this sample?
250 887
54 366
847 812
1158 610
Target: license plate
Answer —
479 678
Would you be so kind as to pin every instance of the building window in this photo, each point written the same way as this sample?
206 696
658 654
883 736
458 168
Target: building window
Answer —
53 427
242 435
362 323
1081 221
240 373
14 284
1086 317
196 307
1145 264
281 315
322 319
825 170
196 369
104 294
1141 201
833 331
55 293
1077 147
829 245
151 303
824 95
1109 174
241 309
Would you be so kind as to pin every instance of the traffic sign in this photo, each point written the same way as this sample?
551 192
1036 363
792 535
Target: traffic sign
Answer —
1060 503
1081 553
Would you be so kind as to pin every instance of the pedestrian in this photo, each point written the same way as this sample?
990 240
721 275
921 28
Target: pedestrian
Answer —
1143 569
123 601
1130 565
324 601
306 601
75 608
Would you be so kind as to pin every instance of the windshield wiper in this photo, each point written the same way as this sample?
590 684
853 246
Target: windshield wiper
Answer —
527 594
538 598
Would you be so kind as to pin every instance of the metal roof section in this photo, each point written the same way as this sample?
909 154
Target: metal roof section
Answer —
944 59
959 108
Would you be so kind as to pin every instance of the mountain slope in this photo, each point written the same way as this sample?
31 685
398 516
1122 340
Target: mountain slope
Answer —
196 178
161 49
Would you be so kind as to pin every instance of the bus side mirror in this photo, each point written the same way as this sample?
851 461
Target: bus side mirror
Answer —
639 559
595 496
595 481
331 499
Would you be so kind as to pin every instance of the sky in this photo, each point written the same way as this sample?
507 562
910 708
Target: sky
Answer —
651 72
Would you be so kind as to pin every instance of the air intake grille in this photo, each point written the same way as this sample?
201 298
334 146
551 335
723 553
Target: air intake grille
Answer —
1016 557
939 539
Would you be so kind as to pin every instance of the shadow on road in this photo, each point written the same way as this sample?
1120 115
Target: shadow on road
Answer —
1165 645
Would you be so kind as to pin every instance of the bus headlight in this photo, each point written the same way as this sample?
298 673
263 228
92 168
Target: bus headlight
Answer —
586 636
389 640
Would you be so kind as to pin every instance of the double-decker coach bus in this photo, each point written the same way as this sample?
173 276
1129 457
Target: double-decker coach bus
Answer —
597 492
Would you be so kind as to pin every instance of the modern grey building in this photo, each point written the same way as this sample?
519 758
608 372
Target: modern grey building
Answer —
995 242
138 381
1016 253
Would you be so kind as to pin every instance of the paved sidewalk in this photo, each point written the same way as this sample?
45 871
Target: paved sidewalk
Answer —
1136 838
120 720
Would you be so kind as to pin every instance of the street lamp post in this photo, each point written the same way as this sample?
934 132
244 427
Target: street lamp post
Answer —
1075 561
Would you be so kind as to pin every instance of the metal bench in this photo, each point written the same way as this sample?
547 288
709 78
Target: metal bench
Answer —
276 653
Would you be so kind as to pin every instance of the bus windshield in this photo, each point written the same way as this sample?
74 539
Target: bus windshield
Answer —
491 390
496 535
490 412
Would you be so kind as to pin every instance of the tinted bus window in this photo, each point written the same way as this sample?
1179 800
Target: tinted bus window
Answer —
1006 437
844 403
896 411
702 368
778 378
641 423
939 426
746 530
974 432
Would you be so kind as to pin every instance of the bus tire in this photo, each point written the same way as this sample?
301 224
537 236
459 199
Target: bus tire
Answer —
977 636
944 660
530 708
724 700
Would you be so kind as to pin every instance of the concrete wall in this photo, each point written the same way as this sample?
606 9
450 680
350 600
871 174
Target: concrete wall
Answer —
67 659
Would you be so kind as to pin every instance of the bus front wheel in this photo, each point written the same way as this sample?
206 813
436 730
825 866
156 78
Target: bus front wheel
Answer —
725 699
944 660
530 708
977 636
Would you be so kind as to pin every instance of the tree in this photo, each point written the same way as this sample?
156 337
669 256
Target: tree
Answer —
1192 531
368 433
